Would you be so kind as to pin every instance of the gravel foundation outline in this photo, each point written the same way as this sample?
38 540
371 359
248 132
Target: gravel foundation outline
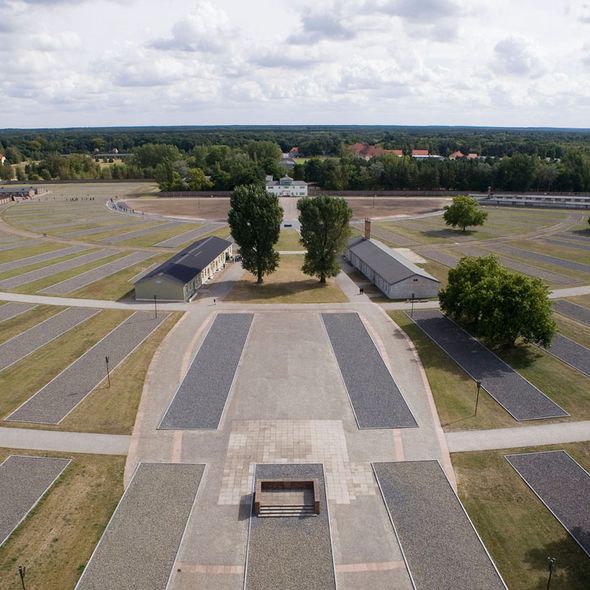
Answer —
24 480
574 245
291 553
189 236
140 543
11 310
520 253
441 547
572 310
22 345
562 485
141 232
29 260
571 353
376 399
97 274
53 402
520 398
200 399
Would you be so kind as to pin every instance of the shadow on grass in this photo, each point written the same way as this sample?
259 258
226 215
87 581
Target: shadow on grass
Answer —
250 290
520 356
448 233
582 232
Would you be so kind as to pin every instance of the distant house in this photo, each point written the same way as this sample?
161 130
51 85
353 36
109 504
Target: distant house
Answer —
420 154
459 155
287 162
286 187
2 158
393 274
180 277
366 151
294 152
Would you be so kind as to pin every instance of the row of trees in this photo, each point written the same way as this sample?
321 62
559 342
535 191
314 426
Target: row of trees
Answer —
255 221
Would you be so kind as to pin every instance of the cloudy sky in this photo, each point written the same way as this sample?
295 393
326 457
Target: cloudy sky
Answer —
198 62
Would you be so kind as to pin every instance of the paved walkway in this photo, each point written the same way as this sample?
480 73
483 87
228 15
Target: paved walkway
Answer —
66 442
520 436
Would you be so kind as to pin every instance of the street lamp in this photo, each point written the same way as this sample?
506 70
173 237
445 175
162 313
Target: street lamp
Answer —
156 306
106 358
551 566
478 383
22 570
412 311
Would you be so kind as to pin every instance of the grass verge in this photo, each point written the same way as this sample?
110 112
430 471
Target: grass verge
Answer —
289 241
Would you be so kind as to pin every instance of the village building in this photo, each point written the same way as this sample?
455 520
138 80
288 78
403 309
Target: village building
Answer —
286 187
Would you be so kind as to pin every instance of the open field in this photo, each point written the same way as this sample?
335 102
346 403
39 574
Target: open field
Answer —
213 208
517 529
287 285
455 392
57 538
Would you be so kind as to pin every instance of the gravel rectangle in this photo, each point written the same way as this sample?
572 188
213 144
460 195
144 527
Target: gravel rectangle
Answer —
375 397
440 544
96 274
52 403
20 244
27 342
518 252
201 397
139 545
571 353
6 266
11 310
47 271
291 553
510 389
562 485
94 230
141 232
188 236
437 255
574 245
23 482
572 310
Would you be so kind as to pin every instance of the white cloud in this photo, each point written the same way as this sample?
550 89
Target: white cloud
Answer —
516 56
325 23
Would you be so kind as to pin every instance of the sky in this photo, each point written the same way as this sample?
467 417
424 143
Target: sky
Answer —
79 63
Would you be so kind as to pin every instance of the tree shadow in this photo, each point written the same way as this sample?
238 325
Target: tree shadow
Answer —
448 233
582 232
521 356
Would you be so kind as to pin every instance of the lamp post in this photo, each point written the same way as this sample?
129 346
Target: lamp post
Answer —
22 570
551 565
156 306
106 359
412 311
478 383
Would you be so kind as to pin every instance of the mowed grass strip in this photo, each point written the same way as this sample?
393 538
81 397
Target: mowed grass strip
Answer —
23 379
26 251
287 285
289 241
58 536
24 321
454 391
154 238
578 332
519 532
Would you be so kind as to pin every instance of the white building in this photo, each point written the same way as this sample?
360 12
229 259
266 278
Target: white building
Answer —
286 187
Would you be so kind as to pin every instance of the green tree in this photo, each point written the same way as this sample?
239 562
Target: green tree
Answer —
465 211
255 220
324 232
197 181
496 304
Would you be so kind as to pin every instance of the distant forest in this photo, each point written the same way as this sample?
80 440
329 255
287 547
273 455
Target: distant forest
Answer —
219 158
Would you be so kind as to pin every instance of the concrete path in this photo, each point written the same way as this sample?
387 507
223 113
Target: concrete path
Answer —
64 442
519 436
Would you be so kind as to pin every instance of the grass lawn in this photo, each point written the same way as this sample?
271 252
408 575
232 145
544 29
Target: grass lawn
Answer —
26 251
289 241
515 526
57 538
287 285
154 238
571 329
438 271
26 320
454 391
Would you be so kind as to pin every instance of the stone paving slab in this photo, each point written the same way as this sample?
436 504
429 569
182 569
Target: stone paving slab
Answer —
572 310
570 264
25 343
139 546
191 235
52 403
23 482
511 390
11 310
201 397
47 271
291 553
571 353
441 547
96 274
6 266
562 485
374 395
141 232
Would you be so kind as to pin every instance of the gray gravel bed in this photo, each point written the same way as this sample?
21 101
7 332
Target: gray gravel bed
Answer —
96 274
390 235
563 486
6 266
47 271
141 232
25 343
52 403
572 310
570 264
571 353
577 238
48 225
512 391
191 235
11 310
375 397
201 397
19 244
574 245
94 230
441 547
437 255
291 553
23 482
139 546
